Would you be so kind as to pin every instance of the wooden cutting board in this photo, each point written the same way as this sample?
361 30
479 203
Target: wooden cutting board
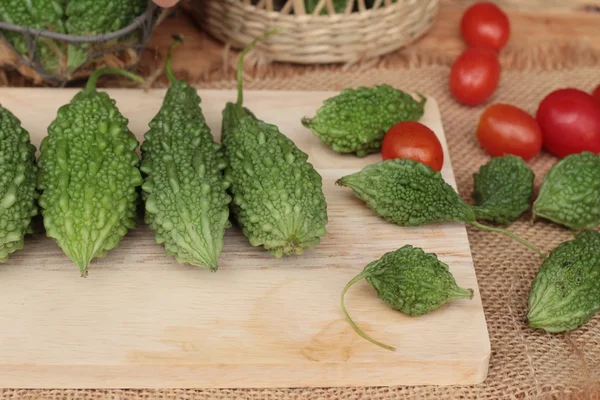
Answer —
142 320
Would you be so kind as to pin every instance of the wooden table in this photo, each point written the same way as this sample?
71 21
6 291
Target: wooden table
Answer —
546 32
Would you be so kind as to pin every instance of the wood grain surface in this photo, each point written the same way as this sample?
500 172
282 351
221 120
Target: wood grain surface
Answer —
142 320
544 33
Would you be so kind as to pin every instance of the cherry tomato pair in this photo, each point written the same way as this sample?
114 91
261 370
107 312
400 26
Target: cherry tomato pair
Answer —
476 72
567 122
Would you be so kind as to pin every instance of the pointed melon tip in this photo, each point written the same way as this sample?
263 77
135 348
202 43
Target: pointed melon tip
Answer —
471 294
533 320
212 263
213 268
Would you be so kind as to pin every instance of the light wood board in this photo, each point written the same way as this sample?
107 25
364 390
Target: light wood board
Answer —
142 320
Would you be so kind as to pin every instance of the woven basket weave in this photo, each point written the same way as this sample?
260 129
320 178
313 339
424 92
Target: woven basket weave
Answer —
322 36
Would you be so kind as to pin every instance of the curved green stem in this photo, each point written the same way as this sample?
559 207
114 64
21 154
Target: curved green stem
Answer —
240 65
357 278
177 40
93 79
509 234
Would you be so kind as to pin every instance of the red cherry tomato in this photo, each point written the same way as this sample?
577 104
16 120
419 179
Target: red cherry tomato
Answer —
596 92
570 122
474 76
485 25
415 141
505 129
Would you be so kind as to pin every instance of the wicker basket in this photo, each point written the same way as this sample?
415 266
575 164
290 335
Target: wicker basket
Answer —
118 49
322 36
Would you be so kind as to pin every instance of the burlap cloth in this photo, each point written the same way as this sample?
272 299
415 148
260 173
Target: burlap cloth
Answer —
525 364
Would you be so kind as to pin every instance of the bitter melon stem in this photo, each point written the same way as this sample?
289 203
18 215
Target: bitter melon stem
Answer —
357 278
240 65
177 40
509 234
93 79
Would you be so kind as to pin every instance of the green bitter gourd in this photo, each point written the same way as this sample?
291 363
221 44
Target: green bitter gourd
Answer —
570 192
339 6
410 281
94 17
39 14
356 120
89 175
277 194
184 189
565 293
18 172
503 189
409 193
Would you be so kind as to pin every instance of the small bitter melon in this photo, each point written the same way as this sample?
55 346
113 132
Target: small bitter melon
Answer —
277 194
89 175
184 189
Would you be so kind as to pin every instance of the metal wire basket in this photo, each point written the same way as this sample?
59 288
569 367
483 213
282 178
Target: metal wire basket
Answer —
121 48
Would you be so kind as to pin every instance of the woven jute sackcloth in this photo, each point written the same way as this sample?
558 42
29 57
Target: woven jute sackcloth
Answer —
525 363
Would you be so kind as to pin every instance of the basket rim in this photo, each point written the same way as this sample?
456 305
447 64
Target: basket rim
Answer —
355 15
135 24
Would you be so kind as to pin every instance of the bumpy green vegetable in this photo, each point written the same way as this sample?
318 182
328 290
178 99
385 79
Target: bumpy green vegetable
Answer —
76 17
356 120
410 281
277 194
371 3
101 16
89 175
565 294
39 14
18 173
408 193
570 193
339 6
184 190
93 17
503 189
